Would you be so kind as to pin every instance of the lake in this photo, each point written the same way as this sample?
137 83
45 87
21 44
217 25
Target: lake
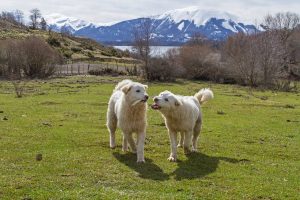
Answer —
155 50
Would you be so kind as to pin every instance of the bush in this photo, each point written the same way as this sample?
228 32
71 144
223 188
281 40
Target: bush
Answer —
106 71
76 49
53 41
40 58
67 53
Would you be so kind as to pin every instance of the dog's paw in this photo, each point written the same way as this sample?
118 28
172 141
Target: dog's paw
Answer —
172 159
194 150
186 151
112 146
140 161
125 149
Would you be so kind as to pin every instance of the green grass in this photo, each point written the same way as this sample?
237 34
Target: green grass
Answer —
249 145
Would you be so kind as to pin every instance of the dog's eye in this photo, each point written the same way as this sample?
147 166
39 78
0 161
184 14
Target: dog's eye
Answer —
138 91
166 99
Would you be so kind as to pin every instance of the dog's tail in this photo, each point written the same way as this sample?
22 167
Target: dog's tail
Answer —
122 84
204 95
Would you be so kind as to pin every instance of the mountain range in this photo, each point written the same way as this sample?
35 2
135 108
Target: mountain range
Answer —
173 27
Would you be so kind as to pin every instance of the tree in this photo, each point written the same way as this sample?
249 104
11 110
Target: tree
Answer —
65 31
142 43
8 16
35 18
41 59
198 58
19 16
43 24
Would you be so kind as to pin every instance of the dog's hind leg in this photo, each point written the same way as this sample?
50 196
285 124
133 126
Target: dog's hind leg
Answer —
197 130
112 126
131 143
125 142
187 142
180 144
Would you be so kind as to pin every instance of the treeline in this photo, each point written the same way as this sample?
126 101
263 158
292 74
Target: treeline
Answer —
266 58
36 20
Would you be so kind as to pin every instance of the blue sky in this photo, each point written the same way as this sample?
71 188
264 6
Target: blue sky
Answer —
101 11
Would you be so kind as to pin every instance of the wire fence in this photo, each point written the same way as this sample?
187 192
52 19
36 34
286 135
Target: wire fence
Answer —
82 68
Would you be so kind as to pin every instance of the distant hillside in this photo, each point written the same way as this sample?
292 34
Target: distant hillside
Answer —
72 48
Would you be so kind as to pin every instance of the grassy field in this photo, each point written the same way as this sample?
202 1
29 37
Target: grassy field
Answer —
248 149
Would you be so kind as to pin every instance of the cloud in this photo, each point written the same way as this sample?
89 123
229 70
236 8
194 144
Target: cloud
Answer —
101 11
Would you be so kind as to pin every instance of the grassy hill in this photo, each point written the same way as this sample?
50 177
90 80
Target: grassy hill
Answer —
73 48
54 145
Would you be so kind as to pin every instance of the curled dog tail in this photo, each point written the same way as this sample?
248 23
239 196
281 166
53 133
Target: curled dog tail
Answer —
204 95
122 84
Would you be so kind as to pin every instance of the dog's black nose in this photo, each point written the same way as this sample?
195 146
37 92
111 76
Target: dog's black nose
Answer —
146 97
155 99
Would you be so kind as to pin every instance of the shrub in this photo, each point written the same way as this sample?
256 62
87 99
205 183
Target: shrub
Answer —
53 41
106 71
40 58
76 49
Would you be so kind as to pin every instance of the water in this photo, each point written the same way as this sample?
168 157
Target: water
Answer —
155 50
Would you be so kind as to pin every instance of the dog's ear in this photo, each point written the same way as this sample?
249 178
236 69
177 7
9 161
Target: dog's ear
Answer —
177 102
126 88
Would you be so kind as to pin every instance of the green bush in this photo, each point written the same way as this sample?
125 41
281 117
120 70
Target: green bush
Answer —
76 49
53 42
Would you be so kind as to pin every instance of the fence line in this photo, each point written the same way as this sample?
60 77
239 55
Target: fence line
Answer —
82 68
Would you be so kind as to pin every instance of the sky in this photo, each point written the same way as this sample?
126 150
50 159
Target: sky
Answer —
104 11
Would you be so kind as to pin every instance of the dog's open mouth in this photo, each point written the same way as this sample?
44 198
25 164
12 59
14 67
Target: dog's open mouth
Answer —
155 106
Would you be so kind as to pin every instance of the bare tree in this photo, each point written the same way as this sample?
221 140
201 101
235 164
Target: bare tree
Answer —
35 18
198 58
19 16
142 44
40 58
43 24
65 31
240 55
8 16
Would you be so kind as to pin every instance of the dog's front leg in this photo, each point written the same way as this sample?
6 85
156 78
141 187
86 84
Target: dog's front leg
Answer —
140 147
173 143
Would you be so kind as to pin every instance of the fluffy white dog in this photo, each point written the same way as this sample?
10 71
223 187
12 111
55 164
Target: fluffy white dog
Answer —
182 114
127 110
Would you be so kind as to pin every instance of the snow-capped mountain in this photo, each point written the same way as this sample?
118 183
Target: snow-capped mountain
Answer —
57 21
170 28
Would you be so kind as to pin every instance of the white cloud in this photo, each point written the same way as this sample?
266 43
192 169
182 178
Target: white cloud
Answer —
102 11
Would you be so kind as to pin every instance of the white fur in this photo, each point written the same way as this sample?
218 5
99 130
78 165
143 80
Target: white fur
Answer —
182 114
127 110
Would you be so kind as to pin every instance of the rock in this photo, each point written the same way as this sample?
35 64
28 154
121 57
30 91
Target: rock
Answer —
38 157
220 112
46 123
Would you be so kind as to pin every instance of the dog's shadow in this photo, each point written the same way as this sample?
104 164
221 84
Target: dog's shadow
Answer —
198 165
147 170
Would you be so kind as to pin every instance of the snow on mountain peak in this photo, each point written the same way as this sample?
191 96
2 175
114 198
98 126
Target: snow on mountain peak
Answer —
61 20
196 14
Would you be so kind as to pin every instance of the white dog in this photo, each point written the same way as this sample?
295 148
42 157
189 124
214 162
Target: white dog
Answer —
127 109
182 114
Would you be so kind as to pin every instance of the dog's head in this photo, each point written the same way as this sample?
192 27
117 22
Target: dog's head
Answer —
135 93
165 101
